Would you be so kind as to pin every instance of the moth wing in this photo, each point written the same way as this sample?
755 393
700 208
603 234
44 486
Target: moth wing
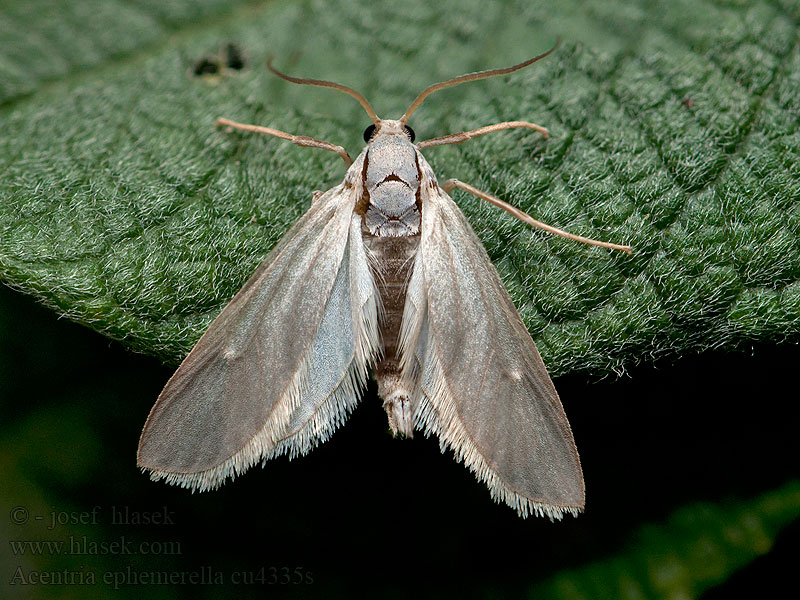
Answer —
483 388
282 365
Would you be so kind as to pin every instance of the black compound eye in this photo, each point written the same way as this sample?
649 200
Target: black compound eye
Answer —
369 132
409 132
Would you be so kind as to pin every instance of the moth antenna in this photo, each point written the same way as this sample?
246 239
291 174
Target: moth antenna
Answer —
471 77
328 84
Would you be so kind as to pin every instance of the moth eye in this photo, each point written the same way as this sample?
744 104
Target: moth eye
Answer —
369 132
409 132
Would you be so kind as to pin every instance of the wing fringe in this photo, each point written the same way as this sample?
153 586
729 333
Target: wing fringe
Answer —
273 440
437 414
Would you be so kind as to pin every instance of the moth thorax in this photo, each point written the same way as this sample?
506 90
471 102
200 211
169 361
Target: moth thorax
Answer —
391 180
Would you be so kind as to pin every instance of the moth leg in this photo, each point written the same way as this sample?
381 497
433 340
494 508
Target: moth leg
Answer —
300 140
315 195
448 186
463 136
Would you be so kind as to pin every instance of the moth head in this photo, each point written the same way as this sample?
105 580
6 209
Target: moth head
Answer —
389 127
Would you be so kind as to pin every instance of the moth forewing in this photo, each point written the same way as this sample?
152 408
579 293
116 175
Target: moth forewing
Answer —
483 389
282 365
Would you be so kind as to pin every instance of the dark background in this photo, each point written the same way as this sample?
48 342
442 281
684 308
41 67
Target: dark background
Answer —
365 513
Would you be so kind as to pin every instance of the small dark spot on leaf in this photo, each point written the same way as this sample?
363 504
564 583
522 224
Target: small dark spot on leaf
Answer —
234 58
229 57
208 65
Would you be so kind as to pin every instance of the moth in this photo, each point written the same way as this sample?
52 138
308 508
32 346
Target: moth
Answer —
382 273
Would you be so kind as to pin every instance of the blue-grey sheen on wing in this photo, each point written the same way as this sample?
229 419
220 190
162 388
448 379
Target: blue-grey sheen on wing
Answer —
281 367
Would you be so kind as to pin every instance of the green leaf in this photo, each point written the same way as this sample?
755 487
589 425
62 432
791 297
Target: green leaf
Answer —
699 546
673 128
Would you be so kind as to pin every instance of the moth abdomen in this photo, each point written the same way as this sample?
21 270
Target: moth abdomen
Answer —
393 259
397 402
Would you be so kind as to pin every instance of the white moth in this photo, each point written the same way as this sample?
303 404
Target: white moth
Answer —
384 273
